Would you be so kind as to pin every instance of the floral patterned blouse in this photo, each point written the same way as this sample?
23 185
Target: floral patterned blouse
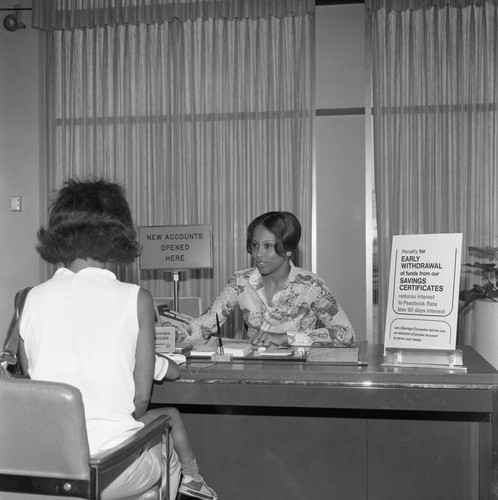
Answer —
303 308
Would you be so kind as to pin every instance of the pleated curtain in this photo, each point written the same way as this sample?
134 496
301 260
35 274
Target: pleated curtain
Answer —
435 121
202 110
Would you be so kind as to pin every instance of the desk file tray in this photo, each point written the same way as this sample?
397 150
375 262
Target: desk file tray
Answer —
439 359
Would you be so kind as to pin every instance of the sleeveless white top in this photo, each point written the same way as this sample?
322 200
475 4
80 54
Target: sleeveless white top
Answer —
81 329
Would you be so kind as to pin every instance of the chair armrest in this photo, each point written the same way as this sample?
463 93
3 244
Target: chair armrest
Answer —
134 444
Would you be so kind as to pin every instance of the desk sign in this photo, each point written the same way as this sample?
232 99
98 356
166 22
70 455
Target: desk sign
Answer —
424 281
175 247
165 339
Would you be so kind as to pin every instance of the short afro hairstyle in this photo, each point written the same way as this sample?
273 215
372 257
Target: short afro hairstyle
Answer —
89 219
285 227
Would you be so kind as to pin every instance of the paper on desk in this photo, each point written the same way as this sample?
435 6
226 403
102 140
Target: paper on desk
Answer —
276 352
236 348
202 352
177 358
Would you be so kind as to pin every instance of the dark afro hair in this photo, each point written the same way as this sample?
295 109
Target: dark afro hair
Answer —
89 219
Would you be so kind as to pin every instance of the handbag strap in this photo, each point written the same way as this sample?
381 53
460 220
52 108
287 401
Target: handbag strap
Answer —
11 342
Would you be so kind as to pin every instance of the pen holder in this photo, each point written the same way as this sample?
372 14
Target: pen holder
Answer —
223 358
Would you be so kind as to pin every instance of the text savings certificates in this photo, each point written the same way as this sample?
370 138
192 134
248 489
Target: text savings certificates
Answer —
424 280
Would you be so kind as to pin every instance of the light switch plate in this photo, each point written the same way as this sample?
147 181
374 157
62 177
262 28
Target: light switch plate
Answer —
16 202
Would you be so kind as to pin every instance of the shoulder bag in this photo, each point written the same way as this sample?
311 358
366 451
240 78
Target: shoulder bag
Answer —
9 363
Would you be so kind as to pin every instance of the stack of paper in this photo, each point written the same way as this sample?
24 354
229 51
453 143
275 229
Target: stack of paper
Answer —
237 349
276 351
202 352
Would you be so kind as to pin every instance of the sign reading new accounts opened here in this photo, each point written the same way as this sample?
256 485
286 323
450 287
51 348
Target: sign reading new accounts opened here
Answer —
175 247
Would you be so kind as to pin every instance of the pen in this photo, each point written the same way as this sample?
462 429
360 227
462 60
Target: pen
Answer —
158 316
220 341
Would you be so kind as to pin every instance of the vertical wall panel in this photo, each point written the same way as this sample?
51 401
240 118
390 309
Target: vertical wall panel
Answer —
341 243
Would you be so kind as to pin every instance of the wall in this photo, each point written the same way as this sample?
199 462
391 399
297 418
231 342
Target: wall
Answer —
20 159
343 218
341 244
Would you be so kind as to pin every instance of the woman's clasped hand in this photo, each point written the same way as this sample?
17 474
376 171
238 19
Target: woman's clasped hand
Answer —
266 339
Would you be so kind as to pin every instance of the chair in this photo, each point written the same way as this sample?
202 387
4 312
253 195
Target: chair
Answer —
44 450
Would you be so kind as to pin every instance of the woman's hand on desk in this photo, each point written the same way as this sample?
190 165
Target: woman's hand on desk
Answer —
265 339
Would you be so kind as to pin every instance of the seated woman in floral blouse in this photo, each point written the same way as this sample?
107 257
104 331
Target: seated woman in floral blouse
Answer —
281 304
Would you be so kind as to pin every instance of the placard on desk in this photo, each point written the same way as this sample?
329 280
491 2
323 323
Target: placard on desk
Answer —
176 247
165 339
422 309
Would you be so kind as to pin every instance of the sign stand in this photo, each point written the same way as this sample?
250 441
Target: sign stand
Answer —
176 285
440 359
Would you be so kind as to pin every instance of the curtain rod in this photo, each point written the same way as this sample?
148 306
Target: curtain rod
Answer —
18 8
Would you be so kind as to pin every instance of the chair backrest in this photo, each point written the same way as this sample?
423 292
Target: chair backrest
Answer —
42 430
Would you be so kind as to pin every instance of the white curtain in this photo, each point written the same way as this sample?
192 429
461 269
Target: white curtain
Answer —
203 111
435 94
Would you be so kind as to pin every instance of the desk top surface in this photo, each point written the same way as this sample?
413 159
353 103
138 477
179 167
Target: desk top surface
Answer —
480 374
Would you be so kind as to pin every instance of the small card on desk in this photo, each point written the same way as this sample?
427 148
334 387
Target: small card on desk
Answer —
165 339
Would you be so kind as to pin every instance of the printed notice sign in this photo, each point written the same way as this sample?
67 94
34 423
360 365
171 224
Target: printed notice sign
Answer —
165 339
424 283
175 247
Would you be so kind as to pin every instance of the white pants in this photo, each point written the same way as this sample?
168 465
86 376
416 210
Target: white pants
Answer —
145 472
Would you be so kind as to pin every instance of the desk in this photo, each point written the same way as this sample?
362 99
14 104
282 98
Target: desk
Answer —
294 430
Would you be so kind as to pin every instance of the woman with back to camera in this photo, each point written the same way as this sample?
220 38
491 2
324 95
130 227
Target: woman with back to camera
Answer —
281 304
86 328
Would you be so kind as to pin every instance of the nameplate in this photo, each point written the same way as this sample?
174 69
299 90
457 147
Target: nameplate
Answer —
333 352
